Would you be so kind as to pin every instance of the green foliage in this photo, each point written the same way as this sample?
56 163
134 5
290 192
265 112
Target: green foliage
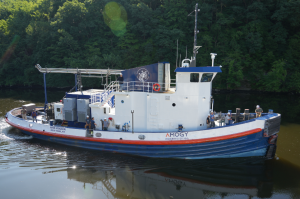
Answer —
235 75
257 42
275 78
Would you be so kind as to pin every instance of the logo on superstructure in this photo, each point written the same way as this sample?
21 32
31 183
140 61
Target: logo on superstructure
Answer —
143 74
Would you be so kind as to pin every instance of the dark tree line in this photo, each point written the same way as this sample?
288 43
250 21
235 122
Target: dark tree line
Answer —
257 41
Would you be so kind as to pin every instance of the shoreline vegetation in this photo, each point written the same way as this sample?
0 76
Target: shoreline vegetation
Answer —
257 42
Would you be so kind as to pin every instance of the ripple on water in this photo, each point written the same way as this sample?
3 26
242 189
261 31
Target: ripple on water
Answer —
16 147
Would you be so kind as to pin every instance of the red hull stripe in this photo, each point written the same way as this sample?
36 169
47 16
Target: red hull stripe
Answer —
138 142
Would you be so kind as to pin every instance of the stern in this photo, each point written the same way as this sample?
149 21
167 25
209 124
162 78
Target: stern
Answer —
271 130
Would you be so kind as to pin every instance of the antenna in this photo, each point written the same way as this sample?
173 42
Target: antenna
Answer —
177 54
179 62
185 51
195 47
195 32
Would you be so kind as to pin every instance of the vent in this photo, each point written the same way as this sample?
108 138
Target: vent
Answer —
68 116
167 97
81 116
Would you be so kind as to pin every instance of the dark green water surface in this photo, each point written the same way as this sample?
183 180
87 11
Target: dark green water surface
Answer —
30 168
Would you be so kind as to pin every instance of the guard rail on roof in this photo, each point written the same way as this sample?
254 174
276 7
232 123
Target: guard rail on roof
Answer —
134 86
78 70
137 86
102 97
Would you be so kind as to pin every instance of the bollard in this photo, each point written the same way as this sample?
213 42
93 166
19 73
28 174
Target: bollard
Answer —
237 115
246 114
270 111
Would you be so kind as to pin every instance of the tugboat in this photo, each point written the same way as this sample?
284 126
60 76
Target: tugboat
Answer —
147 114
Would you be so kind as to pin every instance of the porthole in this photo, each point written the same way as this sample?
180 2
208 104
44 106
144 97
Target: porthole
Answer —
173 104
98 134
141 137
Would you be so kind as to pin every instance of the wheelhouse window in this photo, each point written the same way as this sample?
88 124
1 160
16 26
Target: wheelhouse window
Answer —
57 109
207 77
194 77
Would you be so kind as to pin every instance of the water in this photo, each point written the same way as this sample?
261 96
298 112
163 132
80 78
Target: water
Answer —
31 168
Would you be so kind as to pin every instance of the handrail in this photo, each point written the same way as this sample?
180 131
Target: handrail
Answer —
102 97
111 86
146 86
133 86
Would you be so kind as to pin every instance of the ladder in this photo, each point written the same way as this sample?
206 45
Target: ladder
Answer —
106 99
113 86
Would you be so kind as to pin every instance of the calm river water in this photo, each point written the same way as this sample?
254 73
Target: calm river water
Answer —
31 168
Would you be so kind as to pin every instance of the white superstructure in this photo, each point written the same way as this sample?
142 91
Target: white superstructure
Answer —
186 104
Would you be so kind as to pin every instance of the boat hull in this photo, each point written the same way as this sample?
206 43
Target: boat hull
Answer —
242 140
247 146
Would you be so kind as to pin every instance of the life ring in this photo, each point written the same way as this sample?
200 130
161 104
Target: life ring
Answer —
156 87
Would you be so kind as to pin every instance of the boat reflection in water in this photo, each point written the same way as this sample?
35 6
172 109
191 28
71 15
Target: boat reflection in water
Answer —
179 179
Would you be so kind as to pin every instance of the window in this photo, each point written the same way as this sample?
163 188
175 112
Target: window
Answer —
207 77
194 77
58 109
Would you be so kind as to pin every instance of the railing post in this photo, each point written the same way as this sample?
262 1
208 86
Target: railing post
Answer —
46 101
132 111
75 82
152 87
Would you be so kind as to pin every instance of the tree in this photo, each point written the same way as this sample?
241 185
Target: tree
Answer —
275 78
257 42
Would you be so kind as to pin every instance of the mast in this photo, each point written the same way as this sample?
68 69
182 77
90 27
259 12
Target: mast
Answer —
177 54
196 31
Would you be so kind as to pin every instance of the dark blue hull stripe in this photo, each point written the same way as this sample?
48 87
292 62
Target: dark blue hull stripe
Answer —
252 142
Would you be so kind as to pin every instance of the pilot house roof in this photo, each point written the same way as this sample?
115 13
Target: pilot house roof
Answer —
207 69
